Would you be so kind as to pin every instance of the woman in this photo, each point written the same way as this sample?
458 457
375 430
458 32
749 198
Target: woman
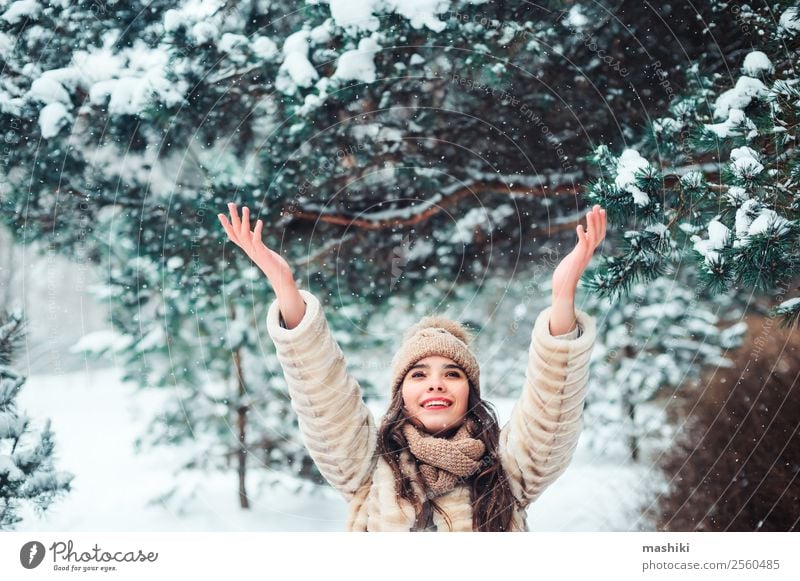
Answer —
439 460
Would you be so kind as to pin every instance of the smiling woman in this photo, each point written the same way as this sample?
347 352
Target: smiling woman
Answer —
435 394
439 461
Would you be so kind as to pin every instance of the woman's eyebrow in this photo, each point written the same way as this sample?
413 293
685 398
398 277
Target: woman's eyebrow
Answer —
426 366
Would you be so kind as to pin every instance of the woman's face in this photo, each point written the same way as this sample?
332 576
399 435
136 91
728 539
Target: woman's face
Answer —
436 393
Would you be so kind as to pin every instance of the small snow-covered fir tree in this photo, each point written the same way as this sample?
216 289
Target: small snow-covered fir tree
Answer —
27 471
650 349
201 340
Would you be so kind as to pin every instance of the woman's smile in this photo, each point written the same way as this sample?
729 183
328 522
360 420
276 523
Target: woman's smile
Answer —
436 404
435 393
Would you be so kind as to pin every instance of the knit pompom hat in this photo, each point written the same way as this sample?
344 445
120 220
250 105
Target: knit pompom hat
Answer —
435 335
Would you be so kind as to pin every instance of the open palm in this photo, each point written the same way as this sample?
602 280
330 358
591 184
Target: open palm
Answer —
272 264
571 268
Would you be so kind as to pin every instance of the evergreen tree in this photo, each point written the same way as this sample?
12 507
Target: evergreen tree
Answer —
387 148
651 348
200 337
322 120
716 181
27 471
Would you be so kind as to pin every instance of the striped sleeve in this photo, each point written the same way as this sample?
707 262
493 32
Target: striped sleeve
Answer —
337 427
537 443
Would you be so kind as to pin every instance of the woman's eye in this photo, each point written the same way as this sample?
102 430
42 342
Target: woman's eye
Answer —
455 374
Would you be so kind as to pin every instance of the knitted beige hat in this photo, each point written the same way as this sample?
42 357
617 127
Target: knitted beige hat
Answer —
435 335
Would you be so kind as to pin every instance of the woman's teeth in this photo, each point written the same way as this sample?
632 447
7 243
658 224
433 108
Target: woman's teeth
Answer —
436 404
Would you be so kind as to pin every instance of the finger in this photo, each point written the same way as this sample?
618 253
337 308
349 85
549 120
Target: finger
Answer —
603 224
596 233
245 229
257 232
227 227
591 227
234 217
598 223
581 235
588 246
589 237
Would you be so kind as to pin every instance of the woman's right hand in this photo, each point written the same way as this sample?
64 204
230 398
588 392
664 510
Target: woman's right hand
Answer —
272 264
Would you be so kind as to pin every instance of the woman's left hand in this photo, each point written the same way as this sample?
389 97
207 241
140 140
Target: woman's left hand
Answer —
568 273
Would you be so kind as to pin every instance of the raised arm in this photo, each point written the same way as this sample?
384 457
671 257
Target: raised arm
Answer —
272 264
338 428
537 443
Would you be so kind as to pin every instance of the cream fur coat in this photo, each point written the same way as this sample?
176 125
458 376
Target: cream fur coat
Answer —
536 445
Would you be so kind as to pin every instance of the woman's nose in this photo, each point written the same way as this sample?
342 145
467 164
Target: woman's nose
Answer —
436 387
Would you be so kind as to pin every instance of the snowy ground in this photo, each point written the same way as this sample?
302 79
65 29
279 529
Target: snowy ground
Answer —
96 418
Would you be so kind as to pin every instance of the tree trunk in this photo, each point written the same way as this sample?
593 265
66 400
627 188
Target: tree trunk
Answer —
633 440
241 424
630 411
6 271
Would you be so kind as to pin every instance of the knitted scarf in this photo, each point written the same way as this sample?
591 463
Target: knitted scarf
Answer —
442 461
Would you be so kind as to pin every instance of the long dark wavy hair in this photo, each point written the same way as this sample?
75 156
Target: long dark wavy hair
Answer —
490 495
